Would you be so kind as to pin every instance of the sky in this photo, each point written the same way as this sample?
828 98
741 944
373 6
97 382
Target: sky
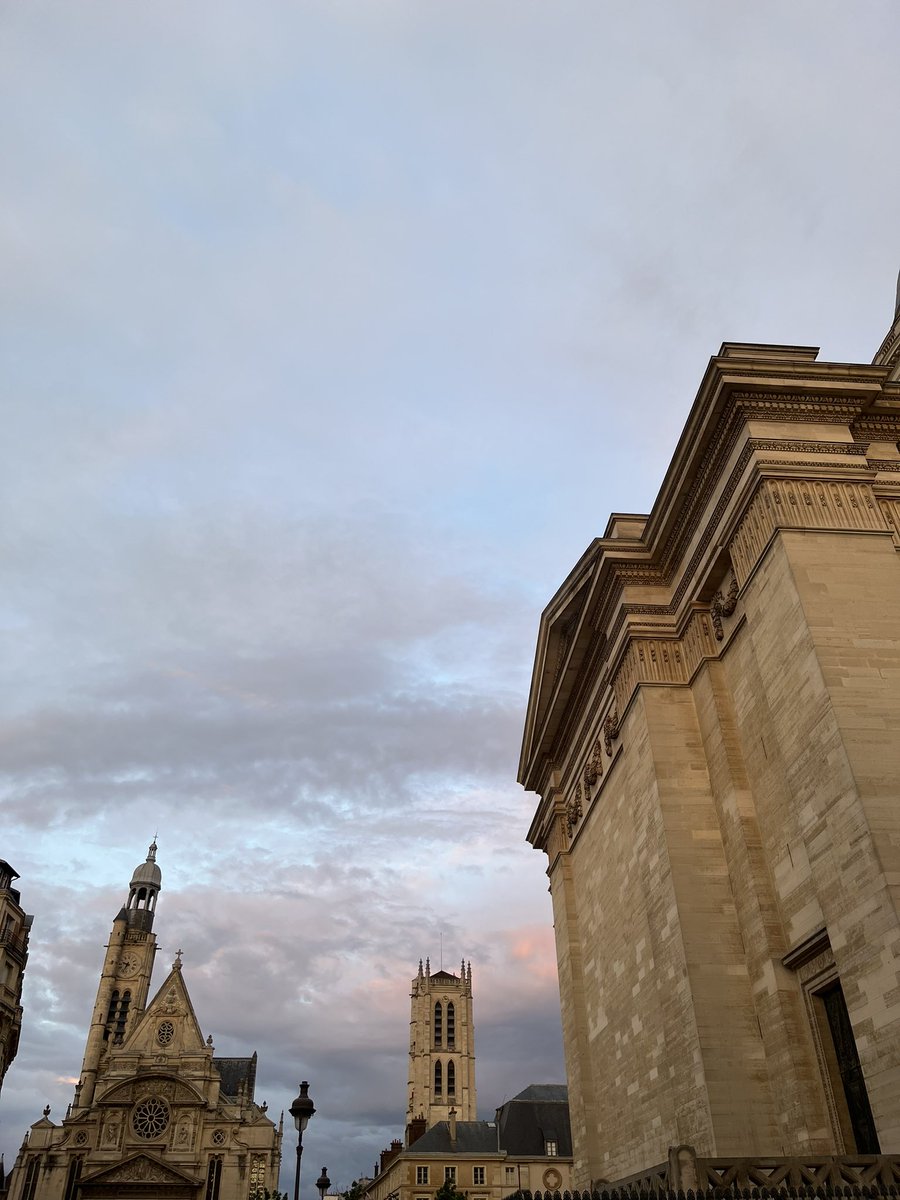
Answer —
330 335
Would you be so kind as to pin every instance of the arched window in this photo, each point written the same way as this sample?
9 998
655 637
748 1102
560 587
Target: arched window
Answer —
438 1078
451 1078
438 1023
451 1026
73 1177
214 1177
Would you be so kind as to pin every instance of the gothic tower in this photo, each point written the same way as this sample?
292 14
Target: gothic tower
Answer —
441 1048
125 978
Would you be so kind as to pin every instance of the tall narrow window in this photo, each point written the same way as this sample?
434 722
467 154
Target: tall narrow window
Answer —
257 1172
842 1061
122 1017
438 1023
111 1014
451 1025
451 1078
214 1177
31 1179
72 1178
438 1078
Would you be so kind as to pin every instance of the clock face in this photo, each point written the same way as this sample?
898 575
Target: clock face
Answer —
129 963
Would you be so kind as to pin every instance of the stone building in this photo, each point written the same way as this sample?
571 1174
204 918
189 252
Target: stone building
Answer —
155 1113
441 1048
15 926
528 1146
713 732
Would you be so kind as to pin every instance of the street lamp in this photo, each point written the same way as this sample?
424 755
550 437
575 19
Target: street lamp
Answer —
323 1183
301 1110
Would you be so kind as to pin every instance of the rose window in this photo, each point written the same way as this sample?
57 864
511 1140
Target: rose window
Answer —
150 1118
165 1033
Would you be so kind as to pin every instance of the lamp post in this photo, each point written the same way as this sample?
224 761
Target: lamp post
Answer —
301 1110
323 1183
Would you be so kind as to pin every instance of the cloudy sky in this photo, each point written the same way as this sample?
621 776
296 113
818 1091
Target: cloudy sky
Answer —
330 334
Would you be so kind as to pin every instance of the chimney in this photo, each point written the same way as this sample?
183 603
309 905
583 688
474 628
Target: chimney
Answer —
415 1129
452 1126
388 1156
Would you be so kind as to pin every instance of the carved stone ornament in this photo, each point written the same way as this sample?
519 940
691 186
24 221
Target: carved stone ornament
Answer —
573 810
594 768
610 731
171 1004
723 606
141 1170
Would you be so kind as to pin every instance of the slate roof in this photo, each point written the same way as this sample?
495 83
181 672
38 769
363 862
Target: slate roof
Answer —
237 1071
524 1125
537 1115
472 1137
552 1093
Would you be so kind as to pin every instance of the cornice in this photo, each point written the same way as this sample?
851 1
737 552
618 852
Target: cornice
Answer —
682 518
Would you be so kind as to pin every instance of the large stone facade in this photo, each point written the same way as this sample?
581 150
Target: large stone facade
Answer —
15 928
713 731
155 1113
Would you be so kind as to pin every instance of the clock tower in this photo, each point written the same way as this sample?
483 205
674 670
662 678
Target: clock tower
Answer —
125 978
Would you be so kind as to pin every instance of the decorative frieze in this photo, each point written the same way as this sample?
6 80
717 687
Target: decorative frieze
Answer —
801 504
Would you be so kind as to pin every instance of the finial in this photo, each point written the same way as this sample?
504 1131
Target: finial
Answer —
427 967
151 853
47 1112
462 970
420 968
176 965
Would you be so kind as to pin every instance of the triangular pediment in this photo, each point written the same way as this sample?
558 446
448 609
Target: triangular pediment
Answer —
141 1168
168 1026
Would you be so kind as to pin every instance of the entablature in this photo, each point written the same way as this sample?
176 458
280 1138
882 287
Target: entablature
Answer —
649 608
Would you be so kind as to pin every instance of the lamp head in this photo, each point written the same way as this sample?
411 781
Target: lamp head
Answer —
323 1183
302 1108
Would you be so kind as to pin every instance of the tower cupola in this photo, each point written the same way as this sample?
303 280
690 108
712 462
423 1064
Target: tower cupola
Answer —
145 886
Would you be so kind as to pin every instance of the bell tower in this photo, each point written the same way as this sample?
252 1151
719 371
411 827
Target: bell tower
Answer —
125 978
441 1049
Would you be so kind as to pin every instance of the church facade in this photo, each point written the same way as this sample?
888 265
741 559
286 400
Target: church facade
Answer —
713 734
155 1112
